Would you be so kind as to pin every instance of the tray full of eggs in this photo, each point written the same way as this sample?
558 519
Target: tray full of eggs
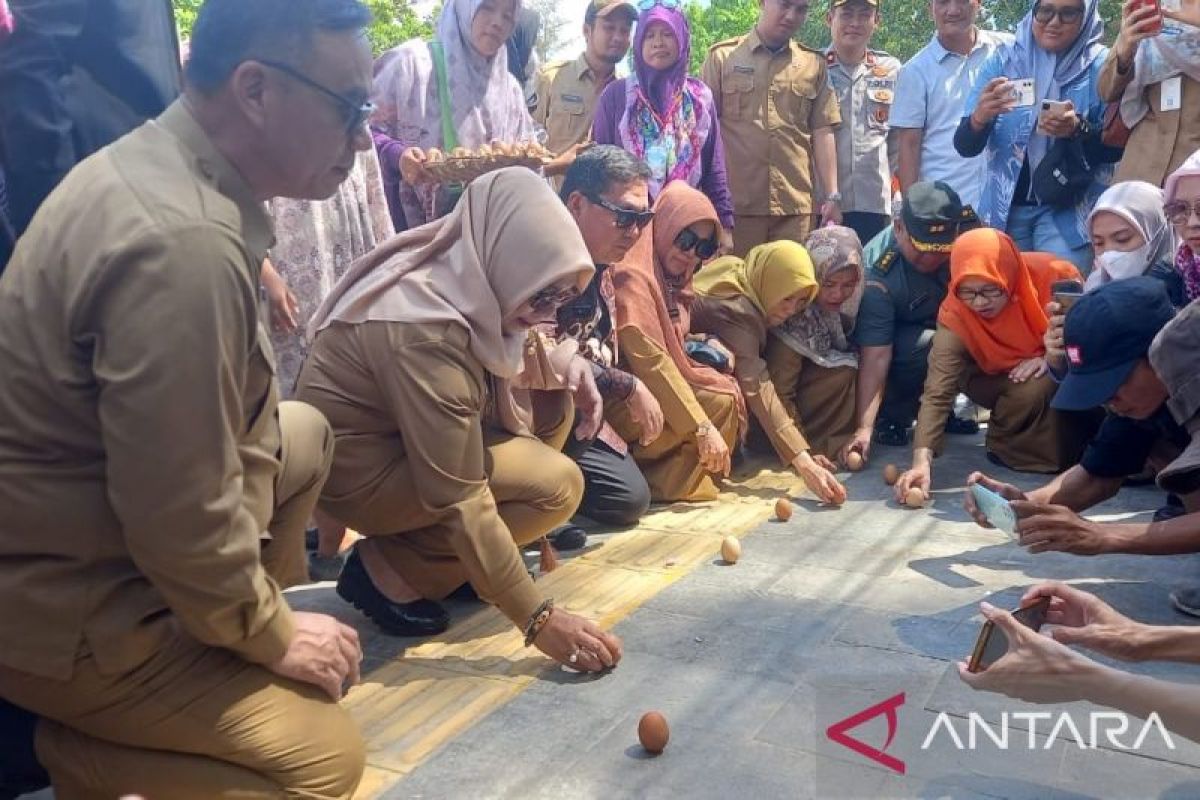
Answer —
462 165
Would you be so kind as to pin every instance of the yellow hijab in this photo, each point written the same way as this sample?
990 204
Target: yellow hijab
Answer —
770 273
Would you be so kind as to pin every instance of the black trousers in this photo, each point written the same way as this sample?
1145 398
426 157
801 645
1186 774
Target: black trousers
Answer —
614 490
906 375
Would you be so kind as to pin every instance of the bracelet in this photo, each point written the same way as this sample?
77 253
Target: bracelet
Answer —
538 620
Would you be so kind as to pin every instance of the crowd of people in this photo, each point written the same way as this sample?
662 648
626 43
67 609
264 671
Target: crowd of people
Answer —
262 322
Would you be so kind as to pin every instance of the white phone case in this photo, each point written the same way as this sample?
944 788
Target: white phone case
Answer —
997 510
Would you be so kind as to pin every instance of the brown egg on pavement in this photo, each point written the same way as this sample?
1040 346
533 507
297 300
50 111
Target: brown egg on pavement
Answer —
783 509
915 498
891 474
731 549
653 732
854 461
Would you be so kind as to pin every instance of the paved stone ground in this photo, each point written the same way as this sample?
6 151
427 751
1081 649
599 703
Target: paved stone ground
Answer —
825 615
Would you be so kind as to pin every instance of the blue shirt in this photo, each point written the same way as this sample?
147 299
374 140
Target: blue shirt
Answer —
1009 139
930 93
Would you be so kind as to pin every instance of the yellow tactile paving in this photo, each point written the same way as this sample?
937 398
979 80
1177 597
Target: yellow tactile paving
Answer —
410 707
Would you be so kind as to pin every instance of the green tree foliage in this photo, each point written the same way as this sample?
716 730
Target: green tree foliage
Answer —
394 21
907 24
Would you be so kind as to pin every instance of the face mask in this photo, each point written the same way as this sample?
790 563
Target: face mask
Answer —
1118 265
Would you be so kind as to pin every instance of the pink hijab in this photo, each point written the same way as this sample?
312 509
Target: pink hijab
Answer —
6 20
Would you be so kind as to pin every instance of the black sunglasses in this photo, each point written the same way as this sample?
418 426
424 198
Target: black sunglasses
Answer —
354 112
1069 15
625 217
704 248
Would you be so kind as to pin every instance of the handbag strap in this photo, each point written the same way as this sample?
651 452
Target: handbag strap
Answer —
449 136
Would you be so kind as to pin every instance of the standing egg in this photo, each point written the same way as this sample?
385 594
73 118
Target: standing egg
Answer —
653 732
731 549
891 474
854 461
915 498
783 509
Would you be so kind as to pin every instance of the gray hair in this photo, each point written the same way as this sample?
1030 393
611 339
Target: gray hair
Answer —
601 167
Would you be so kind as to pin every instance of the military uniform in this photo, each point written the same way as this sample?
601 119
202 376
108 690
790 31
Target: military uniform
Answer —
900 303
769 102
865 149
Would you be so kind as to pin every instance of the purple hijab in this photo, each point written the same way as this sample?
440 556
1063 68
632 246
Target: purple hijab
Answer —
661 86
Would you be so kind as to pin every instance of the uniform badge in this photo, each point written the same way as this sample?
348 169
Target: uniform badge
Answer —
885 261
831 58
881 95
880 72
881 114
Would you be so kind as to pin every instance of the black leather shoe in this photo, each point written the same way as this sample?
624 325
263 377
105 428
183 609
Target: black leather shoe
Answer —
569 537
961 427
418 618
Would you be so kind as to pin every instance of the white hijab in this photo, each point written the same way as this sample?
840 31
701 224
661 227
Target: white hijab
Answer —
1141 205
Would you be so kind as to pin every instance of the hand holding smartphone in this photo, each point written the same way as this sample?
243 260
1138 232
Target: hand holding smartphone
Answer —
1022 92
992 644
1066 294
994 508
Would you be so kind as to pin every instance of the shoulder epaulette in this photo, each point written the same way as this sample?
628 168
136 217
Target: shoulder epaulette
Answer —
885 262
732 40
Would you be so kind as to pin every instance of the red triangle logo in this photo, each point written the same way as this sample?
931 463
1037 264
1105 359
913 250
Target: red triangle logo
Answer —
837 732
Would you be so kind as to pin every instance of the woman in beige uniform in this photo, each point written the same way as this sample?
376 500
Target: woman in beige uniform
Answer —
704 411
988 344
738 302
810 356
414 363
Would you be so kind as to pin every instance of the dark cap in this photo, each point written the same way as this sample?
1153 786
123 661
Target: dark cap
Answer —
1106 333
1175 357
934 216
604 8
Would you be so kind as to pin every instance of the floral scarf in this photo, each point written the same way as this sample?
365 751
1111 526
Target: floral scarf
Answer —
820 335
667 114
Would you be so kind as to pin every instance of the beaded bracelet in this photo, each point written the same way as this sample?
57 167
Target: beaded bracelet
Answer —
538 620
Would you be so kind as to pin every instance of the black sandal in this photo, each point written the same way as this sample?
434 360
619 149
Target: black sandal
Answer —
418 618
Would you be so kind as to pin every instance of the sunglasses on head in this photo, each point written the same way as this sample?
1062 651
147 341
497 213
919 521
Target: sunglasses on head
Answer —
553 297
646 5
1069 14
704 248
625 217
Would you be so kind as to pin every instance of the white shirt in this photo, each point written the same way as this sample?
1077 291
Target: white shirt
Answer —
930 94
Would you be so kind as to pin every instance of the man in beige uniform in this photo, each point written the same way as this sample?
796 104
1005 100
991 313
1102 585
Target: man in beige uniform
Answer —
777 113
567 91
144 458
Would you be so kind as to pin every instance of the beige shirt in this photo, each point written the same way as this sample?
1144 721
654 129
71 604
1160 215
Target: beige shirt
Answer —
138 428
741 327
1163 140
567 92
951 367
865 149
652 365
429 415
769 104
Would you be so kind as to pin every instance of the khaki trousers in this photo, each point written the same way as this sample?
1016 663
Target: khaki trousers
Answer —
536 489
819 399
194 721
1023 430
751 231
671 463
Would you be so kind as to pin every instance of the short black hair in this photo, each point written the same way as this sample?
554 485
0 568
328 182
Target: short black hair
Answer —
228 32
601 167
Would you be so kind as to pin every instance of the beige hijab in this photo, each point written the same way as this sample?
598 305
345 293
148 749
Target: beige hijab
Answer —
508 237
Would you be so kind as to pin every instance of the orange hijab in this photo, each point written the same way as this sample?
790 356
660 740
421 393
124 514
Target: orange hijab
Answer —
646 300
999 344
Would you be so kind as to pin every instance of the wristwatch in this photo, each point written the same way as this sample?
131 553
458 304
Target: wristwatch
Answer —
703 429
834 197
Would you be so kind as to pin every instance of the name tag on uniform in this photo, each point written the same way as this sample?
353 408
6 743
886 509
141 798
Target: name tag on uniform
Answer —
888 84
1172 94
742 68
571 98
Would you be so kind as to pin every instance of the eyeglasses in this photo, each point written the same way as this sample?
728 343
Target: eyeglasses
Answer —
625 217
553 297
704 248
646 5
355 113
1180 211
987 293
1068 14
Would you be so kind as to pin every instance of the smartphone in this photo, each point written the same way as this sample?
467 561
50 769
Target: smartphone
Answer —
1066 293
1022 92
995 508
992 644
1055 108
1157 23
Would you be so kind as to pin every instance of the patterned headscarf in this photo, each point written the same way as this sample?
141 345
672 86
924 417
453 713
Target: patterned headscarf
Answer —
818 334
486 101
667 114
1186 261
